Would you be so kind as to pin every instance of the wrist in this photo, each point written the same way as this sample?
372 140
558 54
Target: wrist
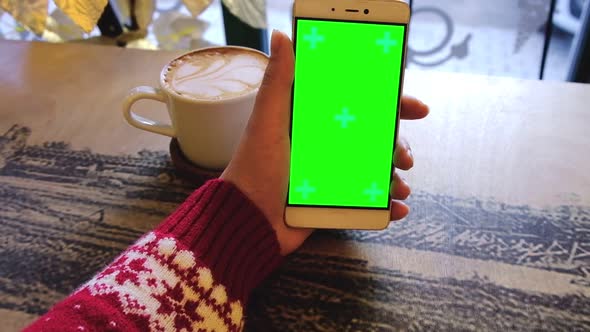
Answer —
228 233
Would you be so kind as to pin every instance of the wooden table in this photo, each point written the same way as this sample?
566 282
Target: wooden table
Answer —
498 238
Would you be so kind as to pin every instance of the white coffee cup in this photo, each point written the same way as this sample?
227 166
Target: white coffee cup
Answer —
208 110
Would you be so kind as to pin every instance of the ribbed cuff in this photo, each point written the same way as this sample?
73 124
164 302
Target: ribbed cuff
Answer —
229 234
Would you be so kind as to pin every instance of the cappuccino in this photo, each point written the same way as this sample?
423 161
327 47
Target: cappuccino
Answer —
216 73
209 95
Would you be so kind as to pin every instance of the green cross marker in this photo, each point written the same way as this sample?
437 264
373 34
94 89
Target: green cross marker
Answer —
386 42
344 118
313 38
373 192
305 189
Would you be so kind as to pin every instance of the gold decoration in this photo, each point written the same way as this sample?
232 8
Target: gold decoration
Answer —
196 7
30 13
84 13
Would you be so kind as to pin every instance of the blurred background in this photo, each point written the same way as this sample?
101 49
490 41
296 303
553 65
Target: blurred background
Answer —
533 39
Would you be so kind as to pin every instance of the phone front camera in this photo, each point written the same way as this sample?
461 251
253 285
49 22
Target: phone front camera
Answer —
333 9
366 11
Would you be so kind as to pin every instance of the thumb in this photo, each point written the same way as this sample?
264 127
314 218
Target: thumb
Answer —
273 102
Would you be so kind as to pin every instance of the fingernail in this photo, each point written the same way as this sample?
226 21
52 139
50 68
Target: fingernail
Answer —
274 42
410 153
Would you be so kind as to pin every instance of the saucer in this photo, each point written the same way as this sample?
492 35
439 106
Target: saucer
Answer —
186 169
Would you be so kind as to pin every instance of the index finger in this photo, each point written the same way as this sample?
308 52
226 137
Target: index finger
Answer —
413 108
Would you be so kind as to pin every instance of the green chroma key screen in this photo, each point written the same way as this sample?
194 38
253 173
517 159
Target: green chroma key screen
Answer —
345 105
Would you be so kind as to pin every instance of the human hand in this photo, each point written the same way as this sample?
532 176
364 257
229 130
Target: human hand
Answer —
260 166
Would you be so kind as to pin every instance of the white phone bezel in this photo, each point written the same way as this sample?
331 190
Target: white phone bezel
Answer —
383 11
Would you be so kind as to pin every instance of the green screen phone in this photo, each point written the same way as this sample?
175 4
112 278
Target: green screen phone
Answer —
346 99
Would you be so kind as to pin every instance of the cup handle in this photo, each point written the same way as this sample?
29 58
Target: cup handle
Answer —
138 121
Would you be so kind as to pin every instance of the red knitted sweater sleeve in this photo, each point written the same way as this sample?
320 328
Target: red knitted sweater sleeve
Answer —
192 273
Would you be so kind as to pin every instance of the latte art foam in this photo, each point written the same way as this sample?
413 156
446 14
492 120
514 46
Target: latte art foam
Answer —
216 73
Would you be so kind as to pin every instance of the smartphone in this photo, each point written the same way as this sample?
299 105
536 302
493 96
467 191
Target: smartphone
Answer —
349 66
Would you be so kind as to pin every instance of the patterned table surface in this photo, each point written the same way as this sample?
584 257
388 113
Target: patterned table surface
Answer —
498 238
